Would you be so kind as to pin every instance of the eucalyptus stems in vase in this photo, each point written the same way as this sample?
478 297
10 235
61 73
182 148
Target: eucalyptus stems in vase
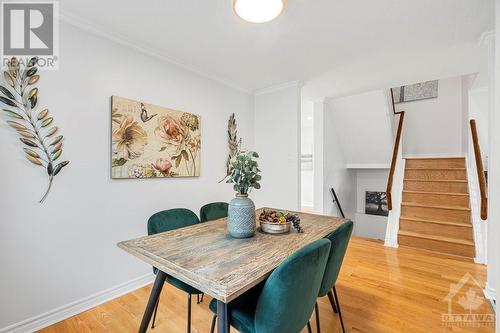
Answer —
244 174
35 127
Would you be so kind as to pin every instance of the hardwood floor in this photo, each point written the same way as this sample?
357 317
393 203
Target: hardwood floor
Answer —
380 290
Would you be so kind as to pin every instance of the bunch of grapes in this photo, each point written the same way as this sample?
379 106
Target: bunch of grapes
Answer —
295 222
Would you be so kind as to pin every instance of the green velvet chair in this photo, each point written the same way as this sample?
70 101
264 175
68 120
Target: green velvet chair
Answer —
285 301
339 239
169 220
213 211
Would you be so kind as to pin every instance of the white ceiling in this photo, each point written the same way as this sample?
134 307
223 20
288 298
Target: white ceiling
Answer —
324 43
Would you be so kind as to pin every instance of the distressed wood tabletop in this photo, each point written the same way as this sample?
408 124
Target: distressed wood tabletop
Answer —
205 257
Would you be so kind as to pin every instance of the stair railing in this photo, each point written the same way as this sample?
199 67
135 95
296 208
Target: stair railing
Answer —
395 152
480 170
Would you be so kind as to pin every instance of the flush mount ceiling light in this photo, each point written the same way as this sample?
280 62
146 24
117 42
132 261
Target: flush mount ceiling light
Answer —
258 11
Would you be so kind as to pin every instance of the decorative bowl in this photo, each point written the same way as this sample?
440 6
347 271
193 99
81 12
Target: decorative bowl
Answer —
275 227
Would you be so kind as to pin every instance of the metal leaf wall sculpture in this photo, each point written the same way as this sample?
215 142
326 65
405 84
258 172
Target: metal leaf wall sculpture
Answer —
36 130
232 141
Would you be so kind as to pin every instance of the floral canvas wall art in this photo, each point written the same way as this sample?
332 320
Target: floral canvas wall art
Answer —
150 141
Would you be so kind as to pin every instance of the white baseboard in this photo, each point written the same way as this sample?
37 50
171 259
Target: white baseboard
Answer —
391 242
56 315
367 166
491 295
490 292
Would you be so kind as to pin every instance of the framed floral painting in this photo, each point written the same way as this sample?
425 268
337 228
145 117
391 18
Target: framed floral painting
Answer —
150 141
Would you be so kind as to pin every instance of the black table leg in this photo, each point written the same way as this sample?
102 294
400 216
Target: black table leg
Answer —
222 317
153 299
189 314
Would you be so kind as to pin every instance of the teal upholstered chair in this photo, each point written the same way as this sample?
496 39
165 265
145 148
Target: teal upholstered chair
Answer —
169 220
213 211
285 301
339 239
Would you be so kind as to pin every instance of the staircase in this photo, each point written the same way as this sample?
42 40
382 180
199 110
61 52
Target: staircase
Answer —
435 211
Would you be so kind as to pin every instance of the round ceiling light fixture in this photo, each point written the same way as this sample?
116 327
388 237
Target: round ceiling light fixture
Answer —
258 11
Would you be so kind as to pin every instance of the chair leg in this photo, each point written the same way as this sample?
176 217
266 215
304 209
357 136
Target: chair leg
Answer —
154 314
338 307
202 294
332 301
212 328
199 299
316 308
309 330
189 314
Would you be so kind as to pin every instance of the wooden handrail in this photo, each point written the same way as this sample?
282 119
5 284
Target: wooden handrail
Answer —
393 104
394 158
480 170
395 152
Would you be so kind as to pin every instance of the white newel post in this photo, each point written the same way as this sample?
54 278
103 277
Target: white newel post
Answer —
391 234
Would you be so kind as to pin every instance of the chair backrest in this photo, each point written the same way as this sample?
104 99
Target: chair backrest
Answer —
171 219
340 240
289 294
213 211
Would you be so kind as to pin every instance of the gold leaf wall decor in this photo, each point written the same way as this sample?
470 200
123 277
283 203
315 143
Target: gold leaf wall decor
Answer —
31 124
232 141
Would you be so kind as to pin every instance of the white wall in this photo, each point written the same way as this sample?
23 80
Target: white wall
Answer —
307 148
370 226
277 140
335 173
363 125
434 126
65 249
357 131
476 105
478 110
494 160
319 155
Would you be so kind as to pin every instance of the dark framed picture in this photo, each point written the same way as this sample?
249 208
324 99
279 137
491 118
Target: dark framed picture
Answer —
376 203
415 92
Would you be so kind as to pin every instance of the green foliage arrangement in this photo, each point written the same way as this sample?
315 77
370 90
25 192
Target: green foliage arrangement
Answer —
244 173
35 127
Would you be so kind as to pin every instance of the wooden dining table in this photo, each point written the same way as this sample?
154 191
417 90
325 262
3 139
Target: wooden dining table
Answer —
205 257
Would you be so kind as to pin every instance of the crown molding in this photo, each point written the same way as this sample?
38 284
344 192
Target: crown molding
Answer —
328 100
96 30
487 37
319 100
277 87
